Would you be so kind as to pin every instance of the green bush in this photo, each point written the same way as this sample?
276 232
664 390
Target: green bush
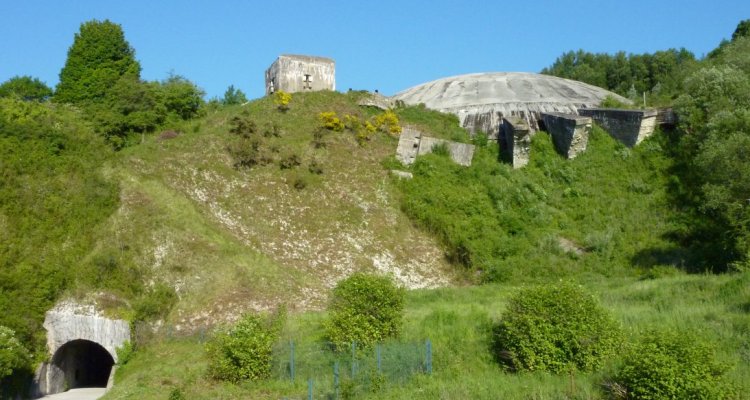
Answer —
12 354
365 309
557 328
244 351
671 365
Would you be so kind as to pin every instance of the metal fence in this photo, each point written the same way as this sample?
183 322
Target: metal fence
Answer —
342 374
315 370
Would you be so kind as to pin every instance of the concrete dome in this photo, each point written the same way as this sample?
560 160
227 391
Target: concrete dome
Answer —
481 100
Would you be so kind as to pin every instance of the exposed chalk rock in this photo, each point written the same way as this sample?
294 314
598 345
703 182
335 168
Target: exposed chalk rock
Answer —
570 133
628 126
402 174
481 101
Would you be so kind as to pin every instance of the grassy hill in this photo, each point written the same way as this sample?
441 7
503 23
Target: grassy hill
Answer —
174 233
232 239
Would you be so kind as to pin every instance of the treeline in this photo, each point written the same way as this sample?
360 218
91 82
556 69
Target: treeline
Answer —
659 75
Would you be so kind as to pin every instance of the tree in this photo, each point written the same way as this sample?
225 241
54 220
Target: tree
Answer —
98 58
181 97
742 30
25 88
233 96
12 354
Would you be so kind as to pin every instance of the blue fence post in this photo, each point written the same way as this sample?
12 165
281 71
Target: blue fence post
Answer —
291 359
336 380
377 355
354 355
309 389
428 357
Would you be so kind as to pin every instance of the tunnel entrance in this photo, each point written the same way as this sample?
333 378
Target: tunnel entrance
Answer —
84 364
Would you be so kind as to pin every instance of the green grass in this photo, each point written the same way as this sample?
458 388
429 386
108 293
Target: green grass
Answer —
458 322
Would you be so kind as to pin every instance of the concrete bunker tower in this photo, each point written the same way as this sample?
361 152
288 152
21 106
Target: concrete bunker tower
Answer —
297 73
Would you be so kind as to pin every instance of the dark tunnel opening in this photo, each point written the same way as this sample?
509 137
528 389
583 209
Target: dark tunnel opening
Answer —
84 363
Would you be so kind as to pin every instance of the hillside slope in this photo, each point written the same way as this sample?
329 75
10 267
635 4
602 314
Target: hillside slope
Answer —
231 239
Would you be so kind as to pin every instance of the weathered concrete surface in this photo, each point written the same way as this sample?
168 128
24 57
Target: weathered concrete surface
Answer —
408 145
82 345
297 73
628 126
412 143
461 153
515 141
570 132
481 101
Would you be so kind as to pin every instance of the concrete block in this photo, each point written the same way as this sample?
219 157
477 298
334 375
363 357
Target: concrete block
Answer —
461 153
296 73
515 141
570 132
628 126
408 145
412 143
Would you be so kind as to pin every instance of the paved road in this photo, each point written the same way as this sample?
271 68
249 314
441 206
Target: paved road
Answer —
78 394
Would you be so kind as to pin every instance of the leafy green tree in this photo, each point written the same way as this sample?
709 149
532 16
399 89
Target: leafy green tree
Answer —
742 30
98 58
12 354
181 97
233 96
25 88
365 309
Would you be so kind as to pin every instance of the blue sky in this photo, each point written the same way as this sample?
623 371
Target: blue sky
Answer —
383 44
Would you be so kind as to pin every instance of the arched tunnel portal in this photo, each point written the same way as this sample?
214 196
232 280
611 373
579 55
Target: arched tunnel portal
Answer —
84 364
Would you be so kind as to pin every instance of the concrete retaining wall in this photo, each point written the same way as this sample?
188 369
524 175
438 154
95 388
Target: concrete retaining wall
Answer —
628 126
413 143
570 132
515 141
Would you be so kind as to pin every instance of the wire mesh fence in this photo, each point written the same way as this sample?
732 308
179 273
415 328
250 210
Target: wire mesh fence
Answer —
343 373
317 370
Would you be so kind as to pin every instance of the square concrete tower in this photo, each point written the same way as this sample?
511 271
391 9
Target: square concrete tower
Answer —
295 73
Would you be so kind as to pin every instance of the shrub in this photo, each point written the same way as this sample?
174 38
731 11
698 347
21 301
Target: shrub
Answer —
290 161
125 353
329 120
671 365
556 328
12 354
155 303
388 122
282 100
364 309
244 351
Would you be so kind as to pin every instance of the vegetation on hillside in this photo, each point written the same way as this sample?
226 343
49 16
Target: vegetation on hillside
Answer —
242 205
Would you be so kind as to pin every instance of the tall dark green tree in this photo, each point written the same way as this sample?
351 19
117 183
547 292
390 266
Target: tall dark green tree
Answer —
233 96
98 58
25 88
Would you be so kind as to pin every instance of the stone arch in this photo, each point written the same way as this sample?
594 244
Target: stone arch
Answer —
82 346
83 363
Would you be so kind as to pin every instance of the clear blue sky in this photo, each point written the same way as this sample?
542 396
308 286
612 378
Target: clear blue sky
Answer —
382 44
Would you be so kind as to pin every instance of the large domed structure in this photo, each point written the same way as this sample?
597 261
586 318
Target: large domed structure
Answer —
482 100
